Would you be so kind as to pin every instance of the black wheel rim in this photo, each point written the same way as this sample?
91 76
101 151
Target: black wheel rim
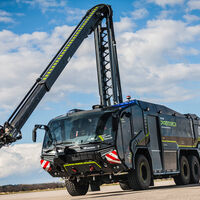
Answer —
143 172
185 169
196 169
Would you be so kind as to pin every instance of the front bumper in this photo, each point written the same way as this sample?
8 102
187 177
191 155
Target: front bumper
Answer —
77 164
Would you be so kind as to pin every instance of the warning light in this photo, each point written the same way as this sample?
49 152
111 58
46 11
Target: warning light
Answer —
74 170
91 168
128 97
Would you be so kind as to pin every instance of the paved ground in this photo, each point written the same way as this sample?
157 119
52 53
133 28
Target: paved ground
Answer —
163 190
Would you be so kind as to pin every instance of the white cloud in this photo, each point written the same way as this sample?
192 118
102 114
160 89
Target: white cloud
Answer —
139 13
5 17
19 158
166 2
191 18
55 6
124 25
45 5
166 14
144 58
193 5
4 13
74 14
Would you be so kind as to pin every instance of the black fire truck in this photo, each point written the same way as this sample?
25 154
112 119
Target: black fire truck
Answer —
131 142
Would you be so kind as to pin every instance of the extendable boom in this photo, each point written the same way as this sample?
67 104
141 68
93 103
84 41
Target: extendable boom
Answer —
92 21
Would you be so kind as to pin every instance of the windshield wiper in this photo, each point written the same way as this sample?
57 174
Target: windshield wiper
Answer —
99 142
55 145
58 143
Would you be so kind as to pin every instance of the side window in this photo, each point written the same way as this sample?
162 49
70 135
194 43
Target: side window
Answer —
67 129
183 127
198 131
126 130
188 129
124 136
56 130
137 119
119 142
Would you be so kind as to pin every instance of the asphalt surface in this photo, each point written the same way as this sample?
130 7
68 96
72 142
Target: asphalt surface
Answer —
162 190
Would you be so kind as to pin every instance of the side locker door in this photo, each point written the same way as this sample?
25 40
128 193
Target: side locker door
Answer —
124 136
155 144
169 134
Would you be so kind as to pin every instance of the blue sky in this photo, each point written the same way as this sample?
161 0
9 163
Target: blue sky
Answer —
159 56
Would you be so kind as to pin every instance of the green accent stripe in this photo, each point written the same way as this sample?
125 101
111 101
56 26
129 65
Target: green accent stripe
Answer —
142 140
179 145
81 163
169 141
101 138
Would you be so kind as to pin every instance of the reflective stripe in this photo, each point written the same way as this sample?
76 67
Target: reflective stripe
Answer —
114 152
45 165
113 161
112 157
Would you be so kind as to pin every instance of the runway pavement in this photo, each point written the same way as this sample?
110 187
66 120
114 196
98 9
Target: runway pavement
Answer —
163 190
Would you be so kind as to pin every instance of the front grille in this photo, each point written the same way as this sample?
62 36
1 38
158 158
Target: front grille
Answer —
48 158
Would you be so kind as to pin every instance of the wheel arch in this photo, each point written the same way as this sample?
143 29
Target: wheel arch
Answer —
145 152
188 152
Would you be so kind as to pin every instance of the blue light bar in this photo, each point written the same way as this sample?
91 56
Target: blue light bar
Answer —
125 104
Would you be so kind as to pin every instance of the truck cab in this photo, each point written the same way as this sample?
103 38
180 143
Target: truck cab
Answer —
81 128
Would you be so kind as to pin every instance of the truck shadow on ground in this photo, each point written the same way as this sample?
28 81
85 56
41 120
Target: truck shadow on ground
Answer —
100 195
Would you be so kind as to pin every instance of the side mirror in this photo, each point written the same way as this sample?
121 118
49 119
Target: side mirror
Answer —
34 132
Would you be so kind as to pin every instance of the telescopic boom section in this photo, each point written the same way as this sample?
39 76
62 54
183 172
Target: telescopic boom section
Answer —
107 69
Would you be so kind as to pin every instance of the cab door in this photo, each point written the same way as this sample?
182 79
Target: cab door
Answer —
155 144
124 136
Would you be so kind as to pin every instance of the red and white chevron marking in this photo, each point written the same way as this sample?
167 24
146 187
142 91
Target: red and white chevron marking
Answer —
113 158
45 165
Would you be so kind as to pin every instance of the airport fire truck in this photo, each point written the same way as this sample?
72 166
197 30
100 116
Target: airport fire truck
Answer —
131 142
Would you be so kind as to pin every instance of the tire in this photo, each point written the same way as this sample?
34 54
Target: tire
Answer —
75 188
94 187
140 178
194 169
124 186
184 177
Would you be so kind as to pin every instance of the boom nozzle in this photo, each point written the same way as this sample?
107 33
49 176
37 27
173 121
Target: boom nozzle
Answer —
8 135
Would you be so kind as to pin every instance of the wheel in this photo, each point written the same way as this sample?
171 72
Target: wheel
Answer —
194 169
124 186
184 177
77 188
94 186
140 178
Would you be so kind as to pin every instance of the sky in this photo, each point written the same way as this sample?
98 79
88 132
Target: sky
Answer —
158 48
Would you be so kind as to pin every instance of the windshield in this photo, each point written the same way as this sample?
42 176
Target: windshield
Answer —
80 129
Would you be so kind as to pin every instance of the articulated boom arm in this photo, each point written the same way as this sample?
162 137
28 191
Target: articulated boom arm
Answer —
107 69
